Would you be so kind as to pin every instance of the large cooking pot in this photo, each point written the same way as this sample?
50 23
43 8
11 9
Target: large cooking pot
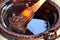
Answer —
49 11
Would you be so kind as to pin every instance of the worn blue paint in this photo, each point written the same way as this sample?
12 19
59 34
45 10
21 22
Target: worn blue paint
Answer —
37 26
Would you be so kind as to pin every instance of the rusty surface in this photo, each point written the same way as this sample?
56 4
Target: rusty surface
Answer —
1 0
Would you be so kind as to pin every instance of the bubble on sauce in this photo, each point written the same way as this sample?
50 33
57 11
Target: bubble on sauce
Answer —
37 26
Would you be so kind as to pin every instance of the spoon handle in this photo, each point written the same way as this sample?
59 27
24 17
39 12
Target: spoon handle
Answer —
30 11
37 5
